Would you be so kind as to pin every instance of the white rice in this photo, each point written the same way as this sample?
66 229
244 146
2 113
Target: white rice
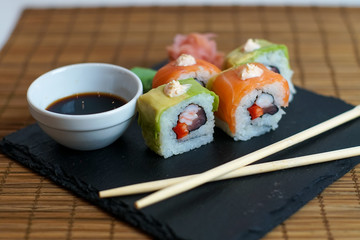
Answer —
247 128
279 60
201 75
201 136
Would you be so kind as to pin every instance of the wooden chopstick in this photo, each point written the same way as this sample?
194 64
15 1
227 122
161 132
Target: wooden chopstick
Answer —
216 172
241 172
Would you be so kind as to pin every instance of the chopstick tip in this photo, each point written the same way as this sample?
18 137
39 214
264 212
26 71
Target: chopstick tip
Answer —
137 206
104 194
100 194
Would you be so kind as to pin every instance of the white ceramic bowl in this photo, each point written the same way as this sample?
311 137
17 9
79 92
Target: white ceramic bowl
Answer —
91 131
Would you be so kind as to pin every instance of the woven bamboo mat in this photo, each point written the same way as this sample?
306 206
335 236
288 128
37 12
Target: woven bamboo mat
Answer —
324 45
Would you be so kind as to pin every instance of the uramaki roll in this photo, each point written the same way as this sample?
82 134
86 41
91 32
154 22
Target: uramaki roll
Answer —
185 67
251 100
177 117
273 56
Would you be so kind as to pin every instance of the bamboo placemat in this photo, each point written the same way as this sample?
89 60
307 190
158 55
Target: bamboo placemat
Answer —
324 45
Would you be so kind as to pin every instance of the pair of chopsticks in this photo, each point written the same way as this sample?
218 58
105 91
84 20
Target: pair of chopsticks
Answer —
236 168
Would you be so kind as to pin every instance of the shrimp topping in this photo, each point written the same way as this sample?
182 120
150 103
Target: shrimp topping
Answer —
185 60
251 45
251 71
175 89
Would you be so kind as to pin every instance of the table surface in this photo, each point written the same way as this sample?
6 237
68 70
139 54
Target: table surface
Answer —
324 45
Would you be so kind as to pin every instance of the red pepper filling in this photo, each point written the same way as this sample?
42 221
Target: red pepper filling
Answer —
255 111
181 130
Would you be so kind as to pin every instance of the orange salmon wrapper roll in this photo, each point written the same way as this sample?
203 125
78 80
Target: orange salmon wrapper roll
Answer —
251 100
184 67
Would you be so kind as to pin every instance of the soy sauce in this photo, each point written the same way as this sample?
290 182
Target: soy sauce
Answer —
86 103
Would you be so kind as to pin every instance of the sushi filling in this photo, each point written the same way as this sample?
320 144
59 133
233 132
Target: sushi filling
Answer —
192 118
264 104
273 68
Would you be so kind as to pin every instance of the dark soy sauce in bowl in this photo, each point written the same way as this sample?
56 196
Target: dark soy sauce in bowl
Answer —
86 103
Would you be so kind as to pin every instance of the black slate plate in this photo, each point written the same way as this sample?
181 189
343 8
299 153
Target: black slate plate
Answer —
244 208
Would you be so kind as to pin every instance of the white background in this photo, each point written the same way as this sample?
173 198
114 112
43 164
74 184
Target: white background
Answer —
10 10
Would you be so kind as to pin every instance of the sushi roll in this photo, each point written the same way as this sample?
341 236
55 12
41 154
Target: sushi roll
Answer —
251 100
273 56
177 117
185 66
